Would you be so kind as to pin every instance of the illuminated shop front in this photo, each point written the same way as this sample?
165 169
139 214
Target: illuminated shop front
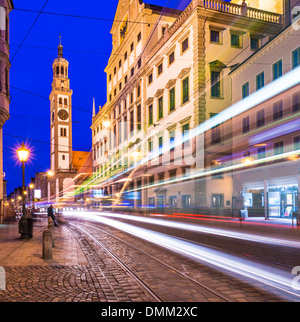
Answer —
275 198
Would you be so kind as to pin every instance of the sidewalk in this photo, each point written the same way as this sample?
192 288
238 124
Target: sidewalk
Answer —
17 252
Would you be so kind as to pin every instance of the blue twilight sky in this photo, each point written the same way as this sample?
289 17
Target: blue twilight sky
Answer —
87 46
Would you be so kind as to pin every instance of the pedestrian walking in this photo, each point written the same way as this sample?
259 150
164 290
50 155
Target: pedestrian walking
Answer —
51 214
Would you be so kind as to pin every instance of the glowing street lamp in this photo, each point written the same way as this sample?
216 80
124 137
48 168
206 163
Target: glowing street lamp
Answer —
23 155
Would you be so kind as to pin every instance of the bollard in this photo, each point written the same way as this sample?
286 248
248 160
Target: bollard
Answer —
51 228
47 244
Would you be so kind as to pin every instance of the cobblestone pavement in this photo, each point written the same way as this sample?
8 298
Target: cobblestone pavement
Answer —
81 271
70 278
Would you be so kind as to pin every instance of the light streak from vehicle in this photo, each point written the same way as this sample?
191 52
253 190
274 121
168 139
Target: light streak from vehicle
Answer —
190 227
263 273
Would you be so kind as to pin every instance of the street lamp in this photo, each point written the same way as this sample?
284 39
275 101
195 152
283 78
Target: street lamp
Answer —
23 155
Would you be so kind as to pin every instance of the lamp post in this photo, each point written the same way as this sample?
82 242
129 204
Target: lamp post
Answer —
23 154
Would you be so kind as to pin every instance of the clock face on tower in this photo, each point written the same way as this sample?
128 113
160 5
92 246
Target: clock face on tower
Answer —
63 114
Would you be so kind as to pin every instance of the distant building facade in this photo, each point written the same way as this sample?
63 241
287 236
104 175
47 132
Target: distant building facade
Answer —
6 6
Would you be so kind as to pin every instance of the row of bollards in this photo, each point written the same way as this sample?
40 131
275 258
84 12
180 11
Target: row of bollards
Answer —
48 240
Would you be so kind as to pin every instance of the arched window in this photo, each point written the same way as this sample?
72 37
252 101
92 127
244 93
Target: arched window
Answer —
62 70
60 102
57 70
66 72
65 102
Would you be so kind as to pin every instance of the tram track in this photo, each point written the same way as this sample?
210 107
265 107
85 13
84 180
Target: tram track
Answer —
89 230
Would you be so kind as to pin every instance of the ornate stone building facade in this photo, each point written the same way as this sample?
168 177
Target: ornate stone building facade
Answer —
167 75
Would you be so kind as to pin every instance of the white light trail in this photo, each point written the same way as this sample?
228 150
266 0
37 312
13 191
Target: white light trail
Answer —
191 227
274 277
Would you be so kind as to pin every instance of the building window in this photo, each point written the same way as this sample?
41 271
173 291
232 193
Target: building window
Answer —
60 102
296 142
160 144
131 47
215 84
125 55
120 63
245 90
172 140
215 36
139 63
277 69
185 90
261 152
159 69
139 37
150 115
185 134
172 99
235 40
296 57
63 157
184 45
161 177
173 201
151 202
132 71
150 79
260 81
160 108
186 201
260 118
278 148
171 57
296 102
254 43
277 110
139 117
131 122
126 79
150 146
217 200
139 91
245 124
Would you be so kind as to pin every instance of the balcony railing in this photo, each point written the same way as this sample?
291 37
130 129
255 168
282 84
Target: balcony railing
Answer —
240 10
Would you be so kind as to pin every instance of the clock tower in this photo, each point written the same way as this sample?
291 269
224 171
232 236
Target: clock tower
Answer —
61 163
61 115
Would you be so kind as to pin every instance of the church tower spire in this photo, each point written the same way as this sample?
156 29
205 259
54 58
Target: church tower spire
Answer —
60 48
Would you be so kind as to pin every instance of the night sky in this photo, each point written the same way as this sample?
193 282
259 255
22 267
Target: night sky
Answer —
87 47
